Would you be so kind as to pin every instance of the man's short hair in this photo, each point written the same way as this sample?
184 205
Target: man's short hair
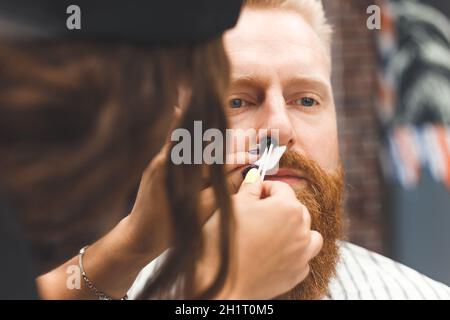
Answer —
310 10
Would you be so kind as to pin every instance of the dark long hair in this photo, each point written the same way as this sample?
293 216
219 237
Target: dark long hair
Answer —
80 121
184 184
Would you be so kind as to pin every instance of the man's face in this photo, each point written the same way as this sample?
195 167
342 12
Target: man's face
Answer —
281 80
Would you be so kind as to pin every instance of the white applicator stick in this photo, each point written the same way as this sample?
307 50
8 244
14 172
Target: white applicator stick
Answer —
270 159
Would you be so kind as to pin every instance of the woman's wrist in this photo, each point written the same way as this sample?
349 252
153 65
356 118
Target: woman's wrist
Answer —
111 264
140 242
117 257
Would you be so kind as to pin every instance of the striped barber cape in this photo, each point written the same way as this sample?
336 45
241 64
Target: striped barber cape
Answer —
365 275
360 275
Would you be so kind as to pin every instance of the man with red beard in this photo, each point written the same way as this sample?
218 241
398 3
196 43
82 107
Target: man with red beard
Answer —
281 70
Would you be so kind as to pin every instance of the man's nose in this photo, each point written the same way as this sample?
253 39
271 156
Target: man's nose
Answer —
275 118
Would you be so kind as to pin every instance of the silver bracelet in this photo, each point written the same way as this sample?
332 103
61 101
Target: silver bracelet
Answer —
99 294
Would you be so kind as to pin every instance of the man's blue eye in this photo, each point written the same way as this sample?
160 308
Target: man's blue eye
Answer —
306 102
236 103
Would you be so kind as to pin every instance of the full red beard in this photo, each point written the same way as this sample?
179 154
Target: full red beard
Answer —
322 195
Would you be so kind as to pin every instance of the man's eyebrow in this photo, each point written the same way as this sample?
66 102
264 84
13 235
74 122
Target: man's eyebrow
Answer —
248 81
303 80
318 82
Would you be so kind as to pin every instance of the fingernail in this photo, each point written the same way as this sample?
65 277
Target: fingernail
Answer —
252 176
246 170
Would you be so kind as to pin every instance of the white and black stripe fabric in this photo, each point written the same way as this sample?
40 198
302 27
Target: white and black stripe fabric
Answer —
365 275
360 275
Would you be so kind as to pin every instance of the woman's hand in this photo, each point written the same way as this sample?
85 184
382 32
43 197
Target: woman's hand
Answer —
273 243
149 224
113 262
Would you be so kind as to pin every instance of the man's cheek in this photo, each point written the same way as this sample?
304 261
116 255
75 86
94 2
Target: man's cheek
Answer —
324 152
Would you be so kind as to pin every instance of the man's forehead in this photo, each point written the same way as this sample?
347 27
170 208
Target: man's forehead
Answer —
284 67
279 37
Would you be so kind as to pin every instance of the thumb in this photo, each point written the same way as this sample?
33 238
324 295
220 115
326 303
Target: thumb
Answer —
252 185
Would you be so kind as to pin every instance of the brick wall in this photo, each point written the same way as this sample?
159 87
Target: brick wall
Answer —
354 83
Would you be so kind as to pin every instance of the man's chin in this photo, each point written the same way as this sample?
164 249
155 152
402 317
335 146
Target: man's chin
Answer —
323 268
